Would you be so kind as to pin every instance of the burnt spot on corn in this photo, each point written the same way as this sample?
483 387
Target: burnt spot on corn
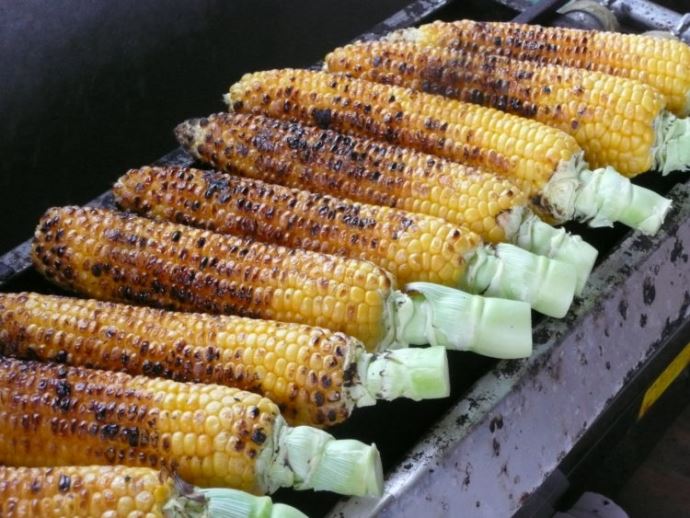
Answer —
350 375
64 483
36 485
132 436
129 434
258 436
322 117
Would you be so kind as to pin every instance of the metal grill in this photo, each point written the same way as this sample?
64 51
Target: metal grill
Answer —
511 433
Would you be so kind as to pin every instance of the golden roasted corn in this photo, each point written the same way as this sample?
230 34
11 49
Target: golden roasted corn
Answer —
525 151
322 161
544 161
122 492
114 256
210 435
660 62
613 119
413 247
315 376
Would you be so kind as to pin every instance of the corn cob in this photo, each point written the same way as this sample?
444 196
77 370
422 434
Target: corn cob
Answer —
545 162
662 63
113 256
617 121
413 247
349 167
315 376
121 491
211 435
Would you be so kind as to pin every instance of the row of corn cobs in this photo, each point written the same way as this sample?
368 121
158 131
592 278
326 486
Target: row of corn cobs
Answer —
354 211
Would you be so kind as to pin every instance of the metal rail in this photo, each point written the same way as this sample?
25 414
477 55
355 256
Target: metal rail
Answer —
644 13
651 16
483 458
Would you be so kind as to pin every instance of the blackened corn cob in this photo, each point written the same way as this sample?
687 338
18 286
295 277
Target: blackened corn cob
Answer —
525 151
122 492
413 247
319 160
322 161
211 435
613 119
544 161
315 376
114 256
660 62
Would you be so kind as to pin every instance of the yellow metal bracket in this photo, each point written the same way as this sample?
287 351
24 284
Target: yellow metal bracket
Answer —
670 373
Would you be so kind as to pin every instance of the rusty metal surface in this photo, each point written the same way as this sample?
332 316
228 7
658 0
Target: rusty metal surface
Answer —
500 443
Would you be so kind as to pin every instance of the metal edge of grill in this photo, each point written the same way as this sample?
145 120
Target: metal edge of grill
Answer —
483 456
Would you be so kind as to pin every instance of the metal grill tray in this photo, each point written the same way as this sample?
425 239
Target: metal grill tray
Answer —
507 426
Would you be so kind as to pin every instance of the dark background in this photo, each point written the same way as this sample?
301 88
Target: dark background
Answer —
91 88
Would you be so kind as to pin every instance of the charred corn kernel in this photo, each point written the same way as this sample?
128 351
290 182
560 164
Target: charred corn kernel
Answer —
123 492
57 415
660 62
414 247
463 132
234 351
173 266
71 490
352 167
112 256
544 161
387 237
597 109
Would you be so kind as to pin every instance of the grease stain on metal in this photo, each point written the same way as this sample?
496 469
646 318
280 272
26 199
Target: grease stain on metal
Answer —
648 291
496 423
678 252
496 447
541 336
468 475
623 309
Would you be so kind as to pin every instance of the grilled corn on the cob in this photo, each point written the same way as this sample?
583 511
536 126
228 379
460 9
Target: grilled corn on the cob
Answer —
413 247
660 62
322 161
546 162
617 121
212 435
315 376
113 256
123 492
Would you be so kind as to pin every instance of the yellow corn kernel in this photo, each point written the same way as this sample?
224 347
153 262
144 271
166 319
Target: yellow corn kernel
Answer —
109 436
247 207
563 97
234 351
351 167
660 62
179 267
459 131
71 490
